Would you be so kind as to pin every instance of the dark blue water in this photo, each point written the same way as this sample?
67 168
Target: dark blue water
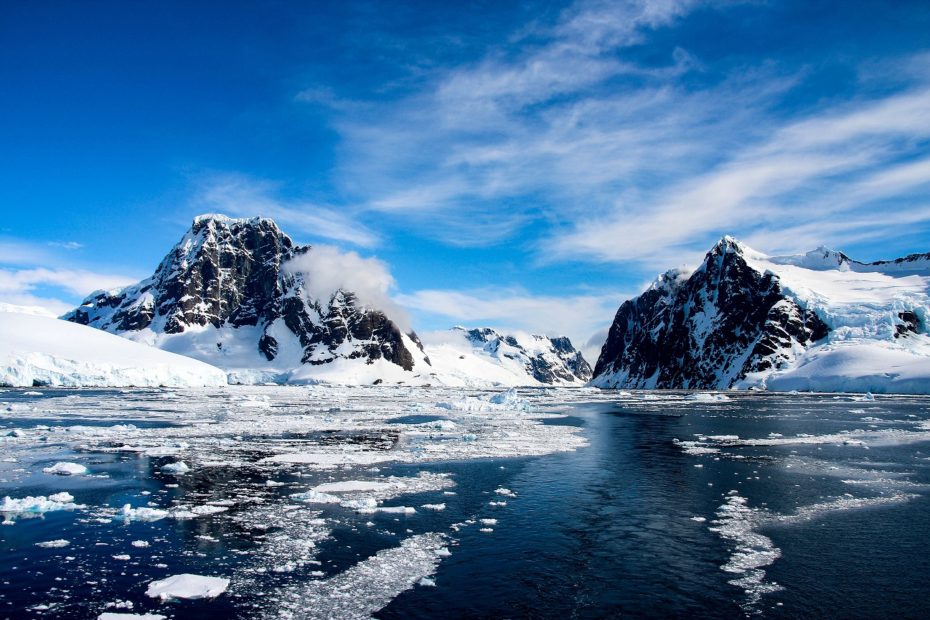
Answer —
606 531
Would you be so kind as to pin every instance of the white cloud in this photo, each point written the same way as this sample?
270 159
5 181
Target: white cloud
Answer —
327 269
241 196
27 286
66 245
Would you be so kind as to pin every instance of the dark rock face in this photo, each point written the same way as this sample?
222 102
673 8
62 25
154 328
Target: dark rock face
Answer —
705 331
548 360
910 324
231 273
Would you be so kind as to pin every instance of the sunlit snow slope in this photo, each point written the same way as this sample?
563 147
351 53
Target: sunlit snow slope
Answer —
39 350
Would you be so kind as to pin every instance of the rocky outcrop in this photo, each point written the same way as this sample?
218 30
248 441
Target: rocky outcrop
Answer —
707 329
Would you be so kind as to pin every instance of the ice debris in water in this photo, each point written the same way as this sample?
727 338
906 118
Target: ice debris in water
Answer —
54 544
143 513
504 401
316 497
40 504
752 552
178 467
367 587
66 469
109 615
707 397
187 586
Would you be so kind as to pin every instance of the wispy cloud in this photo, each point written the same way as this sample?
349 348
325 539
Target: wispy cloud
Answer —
824 170
239 195
519 134
43 286
623 160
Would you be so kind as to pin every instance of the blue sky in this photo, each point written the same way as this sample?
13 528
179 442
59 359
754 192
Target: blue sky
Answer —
520 164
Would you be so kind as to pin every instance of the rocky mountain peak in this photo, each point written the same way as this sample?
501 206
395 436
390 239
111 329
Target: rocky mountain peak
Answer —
227 280
725 320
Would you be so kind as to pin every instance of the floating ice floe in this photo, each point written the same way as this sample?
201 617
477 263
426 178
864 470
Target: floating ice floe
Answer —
66 469
330 459
707 397
178 467
348 486
110 615
54 544
315 497
26 506
143 513
187 586
436 507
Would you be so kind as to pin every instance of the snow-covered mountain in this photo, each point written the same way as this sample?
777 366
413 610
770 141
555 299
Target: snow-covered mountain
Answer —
41 350
229 294
818 321
485 356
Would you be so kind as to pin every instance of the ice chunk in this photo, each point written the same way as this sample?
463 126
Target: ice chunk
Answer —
143 513
351 485
178 467
187 586
109 615
66 469
38 505
54 544
707 397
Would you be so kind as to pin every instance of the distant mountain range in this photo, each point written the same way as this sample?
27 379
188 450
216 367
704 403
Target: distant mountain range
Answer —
231 294
817 321
239 295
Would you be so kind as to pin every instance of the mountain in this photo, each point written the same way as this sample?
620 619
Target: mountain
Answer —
229 294
485 356
818 321
37 350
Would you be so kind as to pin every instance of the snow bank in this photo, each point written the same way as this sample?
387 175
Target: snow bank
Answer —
187 586
38 350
